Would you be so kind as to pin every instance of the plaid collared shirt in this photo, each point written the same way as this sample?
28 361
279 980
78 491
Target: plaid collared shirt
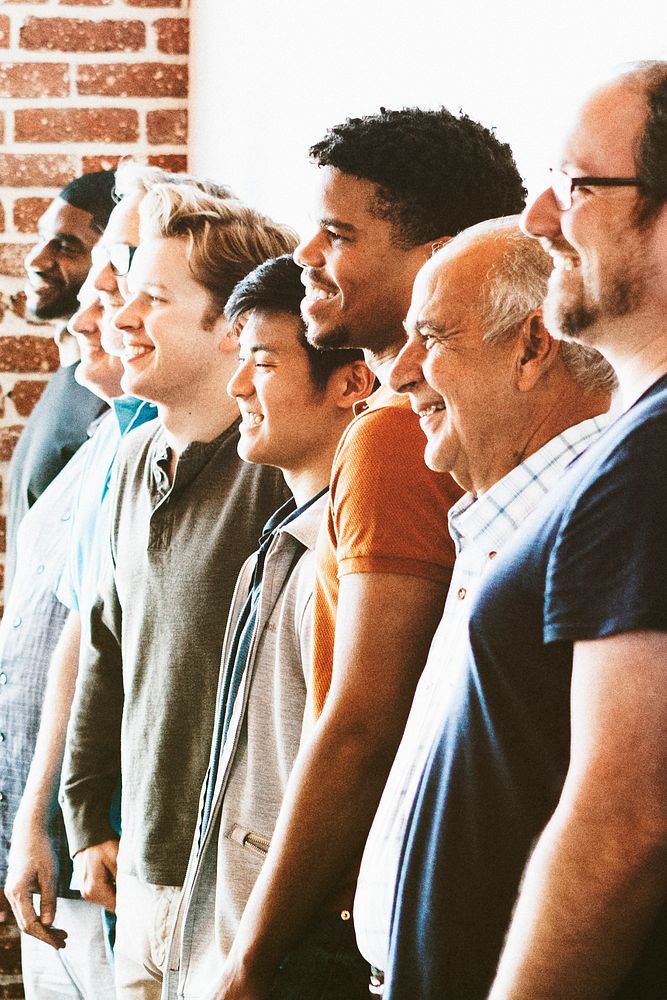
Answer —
480 527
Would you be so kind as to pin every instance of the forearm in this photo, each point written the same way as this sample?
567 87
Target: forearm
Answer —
41 790
91 765
328 809
590 891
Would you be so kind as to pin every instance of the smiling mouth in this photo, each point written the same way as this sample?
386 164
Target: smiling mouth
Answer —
131 352
251 419
427 411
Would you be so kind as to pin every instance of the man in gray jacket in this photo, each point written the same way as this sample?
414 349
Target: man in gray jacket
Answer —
295 402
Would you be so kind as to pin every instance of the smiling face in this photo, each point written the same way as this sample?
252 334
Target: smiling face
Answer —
98 371
170 349
602 265
462 388
57 266
122 228
285 421
357 280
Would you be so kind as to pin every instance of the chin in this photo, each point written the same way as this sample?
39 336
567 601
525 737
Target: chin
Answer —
328 339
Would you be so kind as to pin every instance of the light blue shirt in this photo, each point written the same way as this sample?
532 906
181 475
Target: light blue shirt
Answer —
89 538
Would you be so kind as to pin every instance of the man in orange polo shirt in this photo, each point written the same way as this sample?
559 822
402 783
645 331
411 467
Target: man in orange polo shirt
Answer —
392 186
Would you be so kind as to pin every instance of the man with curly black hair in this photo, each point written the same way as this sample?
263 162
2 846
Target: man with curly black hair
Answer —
392 186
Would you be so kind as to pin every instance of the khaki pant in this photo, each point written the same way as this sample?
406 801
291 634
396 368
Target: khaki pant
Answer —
79 971
145 916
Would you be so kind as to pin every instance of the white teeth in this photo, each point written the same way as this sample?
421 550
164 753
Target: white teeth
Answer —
135 351
252 419
317 294
434 408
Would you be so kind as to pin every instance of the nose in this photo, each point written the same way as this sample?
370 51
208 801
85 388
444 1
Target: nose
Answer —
42 257
406 371
105 280
309 252
85 320
128 316
541 217
240 385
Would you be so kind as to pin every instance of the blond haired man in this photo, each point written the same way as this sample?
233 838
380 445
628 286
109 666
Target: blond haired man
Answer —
186 512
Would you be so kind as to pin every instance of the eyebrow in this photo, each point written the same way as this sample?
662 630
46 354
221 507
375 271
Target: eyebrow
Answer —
425 324
256 348
69 237
337 224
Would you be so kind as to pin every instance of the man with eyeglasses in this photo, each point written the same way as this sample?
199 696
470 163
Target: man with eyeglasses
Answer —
56 268
534 865
38 862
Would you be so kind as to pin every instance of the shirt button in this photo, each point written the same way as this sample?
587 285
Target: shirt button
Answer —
492 555
66 516
461 593
3 678
40 568
345 914
2 737
17 621
2 797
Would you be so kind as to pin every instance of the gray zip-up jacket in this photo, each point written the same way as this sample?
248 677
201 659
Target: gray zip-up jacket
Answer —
256 759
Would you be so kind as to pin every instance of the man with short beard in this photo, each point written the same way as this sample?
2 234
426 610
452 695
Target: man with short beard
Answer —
554 749
56 269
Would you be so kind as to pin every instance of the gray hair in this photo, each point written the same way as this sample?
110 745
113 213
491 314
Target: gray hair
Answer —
515 286
133 177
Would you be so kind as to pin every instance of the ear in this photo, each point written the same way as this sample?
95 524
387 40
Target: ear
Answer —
352 383
536 351
228 340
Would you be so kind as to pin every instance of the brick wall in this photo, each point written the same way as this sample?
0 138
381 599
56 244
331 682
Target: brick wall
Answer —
82 82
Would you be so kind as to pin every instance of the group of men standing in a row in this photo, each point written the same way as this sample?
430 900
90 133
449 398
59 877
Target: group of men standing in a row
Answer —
416 739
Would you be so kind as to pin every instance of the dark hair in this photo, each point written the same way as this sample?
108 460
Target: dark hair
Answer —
92 193
436 173
651 155
275 286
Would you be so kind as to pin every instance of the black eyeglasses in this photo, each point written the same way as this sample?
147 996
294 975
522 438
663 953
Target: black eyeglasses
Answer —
563 185
120 257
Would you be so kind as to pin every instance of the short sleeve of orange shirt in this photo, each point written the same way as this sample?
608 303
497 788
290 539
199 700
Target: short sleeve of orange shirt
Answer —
387 514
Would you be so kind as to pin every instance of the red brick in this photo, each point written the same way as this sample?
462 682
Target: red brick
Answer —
36 170
2 127
25 394
173 35
4 31
90 163
34 80
27 212
2 218
17 304
154 3
28 354
8 438
174 162
76 125
2 413
65 34
12 256
148 79
167 126
86 3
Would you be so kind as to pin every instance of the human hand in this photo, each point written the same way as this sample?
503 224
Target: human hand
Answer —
6 912
95 868
33 869
238 982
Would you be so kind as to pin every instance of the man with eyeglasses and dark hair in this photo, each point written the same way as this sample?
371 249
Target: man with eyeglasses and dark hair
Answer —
56 268
534 866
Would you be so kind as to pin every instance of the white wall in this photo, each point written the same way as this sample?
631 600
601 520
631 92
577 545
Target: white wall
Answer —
269 76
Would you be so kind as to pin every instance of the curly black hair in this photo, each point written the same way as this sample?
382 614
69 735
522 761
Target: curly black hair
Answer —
275 286
436 173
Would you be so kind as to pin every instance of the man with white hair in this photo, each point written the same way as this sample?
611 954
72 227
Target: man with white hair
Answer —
505 408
